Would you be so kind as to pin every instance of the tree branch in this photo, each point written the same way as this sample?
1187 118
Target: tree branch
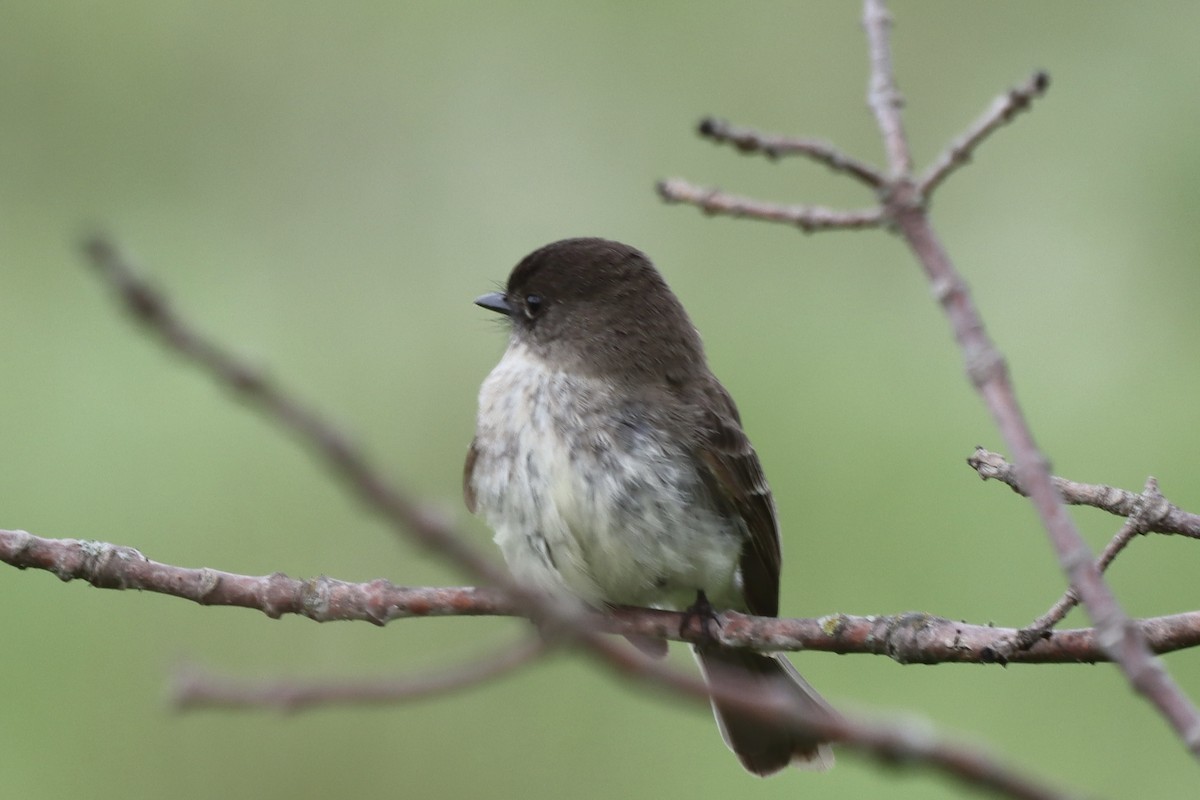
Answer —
1000 113
1156 513
910 638
774 146
903 202
151 309
989 373
1070 598
1148 512
883 97
809 219
193 688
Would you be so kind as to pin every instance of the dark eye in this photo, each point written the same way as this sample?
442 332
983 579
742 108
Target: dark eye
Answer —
533 305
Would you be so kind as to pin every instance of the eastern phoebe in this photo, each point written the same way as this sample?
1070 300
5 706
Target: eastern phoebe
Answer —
613 467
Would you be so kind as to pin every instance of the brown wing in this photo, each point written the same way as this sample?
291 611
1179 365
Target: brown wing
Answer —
736 479
468 468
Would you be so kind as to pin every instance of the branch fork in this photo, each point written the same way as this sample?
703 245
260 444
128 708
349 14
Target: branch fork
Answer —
903 209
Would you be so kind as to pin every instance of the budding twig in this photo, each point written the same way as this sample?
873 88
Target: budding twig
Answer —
1000 113
774 146
1156 513
809 219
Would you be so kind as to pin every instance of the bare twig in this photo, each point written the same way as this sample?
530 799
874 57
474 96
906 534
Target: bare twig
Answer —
989 373
1147 512
809 219
1157 514
911 638
150 308
1070 598
883 98
902 742
1002 110
773 146
193 688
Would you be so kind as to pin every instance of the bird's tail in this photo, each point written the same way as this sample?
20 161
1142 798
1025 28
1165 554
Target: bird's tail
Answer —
762 748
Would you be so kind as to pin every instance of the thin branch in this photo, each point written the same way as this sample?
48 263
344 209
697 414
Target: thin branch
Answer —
1157 514
899 743
809 219
194 689
883 97
1001 112
153 311
989 373
774 146
1145 513
891 743
911 638
914 637
1026 637
110 566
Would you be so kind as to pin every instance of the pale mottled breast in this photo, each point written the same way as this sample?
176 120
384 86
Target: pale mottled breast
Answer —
586 495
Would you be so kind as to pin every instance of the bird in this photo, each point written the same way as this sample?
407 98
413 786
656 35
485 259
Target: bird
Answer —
613 467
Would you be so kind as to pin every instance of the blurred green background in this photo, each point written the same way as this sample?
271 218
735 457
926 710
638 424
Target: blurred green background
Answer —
326 187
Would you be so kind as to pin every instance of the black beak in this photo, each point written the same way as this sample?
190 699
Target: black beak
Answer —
494 301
